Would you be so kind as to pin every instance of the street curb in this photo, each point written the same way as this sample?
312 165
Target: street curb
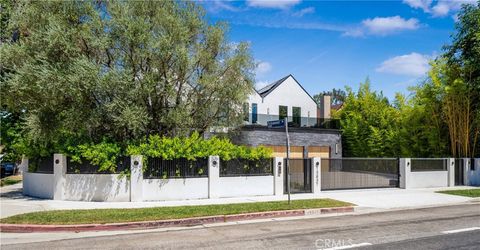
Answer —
30 228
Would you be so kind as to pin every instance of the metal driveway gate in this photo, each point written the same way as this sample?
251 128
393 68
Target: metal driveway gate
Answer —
350 173
300 176
459 162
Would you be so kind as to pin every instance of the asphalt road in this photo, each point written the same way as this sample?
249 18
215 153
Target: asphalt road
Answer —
427 228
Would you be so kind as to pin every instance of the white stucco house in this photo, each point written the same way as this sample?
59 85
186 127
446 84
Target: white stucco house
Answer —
312 132
285 98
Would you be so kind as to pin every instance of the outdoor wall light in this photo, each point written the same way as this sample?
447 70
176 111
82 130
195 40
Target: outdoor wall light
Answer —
214 163
135 163
279 164
57 161
317 163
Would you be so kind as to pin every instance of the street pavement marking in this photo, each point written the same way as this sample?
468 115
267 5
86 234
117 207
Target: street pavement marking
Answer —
350 246
461 230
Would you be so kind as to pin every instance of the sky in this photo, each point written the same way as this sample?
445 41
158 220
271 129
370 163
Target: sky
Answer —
333 44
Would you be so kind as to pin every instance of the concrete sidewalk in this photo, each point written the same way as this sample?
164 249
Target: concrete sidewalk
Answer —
12 201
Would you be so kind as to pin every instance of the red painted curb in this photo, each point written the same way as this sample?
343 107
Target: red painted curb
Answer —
30 228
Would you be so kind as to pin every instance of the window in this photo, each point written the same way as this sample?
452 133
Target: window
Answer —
297 114
254 113
245 112
282 112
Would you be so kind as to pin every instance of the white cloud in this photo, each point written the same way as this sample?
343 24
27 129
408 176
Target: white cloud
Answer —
304 11
382 26
419 4
413 64
444 7
440 8
275 4
387 25
263 68
261 84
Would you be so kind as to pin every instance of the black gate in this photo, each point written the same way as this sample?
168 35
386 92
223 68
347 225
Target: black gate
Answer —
459 171
352 173
300 176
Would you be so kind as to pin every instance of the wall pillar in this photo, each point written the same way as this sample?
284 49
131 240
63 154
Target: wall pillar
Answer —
24 168
278 175
136 178
59 176
405 169
316 175
451 171
213 176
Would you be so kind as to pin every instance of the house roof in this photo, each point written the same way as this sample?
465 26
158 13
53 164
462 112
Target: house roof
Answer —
272 86
337 106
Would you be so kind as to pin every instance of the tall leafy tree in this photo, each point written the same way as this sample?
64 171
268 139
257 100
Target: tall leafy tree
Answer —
337 96
461 78
369 124
120 70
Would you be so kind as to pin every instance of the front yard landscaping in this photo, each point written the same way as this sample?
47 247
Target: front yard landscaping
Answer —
101 216
10 180
463 192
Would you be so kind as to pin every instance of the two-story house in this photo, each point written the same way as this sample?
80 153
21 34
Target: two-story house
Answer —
312 132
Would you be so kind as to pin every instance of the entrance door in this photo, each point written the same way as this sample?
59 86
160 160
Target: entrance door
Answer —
300 176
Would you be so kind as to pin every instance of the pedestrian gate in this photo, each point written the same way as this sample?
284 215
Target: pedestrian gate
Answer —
351 173
300 176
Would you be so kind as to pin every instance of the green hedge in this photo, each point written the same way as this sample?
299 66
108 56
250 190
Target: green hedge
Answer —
105 154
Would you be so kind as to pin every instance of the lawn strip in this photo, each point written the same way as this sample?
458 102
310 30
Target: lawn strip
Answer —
463 192
101 216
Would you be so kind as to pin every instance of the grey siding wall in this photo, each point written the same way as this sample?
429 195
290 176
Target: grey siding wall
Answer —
298 137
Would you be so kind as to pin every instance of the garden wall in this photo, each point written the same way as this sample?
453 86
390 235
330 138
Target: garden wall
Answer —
38 185
96 187
428 179
473 172
239 186
175 189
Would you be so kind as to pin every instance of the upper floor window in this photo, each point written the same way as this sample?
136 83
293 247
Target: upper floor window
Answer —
282 112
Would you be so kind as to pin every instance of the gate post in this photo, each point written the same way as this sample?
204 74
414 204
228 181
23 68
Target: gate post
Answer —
316 175
213 176
451 171
59 176
136 178
278 173
405 169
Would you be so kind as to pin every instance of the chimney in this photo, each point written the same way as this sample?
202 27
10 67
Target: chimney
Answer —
325 106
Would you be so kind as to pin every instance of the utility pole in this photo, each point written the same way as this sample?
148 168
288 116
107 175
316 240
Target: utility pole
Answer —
287 164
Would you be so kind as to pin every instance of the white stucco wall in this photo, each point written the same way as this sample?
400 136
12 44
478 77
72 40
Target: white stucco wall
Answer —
289 93
38 185
96 187
427 179
175 189
474 176
241 186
